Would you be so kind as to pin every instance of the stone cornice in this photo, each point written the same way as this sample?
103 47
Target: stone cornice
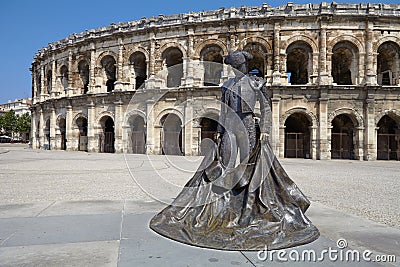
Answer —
231 14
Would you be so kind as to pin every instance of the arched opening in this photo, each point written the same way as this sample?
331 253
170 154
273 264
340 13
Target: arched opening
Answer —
107 138
212 61
388 138
299 62
342 139
257 65
137 135
82 124
62 129
388 64
64 77
37 134
49 81
138 62
344 63
83 69
109 66
208 130
173 61
46 133
171 141
297 136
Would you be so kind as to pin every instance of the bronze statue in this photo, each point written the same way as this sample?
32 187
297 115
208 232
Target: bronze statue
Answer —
246 206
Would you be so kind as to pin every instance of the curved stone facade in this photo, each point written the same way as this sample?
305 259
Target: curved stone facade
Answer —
332 71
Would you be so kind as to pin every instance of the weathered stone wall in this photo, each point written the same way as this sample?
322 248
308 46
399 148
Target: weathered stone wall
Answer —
321 61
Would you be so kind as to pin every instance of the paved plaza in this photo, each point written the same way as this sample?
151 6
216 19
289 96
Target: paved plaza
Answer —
62 208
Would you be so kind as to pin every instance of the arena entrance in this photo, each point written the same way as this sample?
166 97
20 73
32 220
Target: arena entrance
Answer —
137 135
342 141
388 139
82 124
171 135
47 135
208 130
62 129
107 139
297 136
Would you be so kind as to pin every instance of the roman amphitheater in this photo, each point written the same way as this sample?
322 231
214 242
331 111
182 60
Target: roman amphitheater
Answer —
332 73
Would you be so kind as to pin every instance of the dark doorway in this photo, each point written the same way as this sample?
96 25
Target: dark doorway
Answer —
61 126
47 135
173 59
171 141
108 137
297 136
298 62
212 61
342 140
137 135
82 124
344 63
388 139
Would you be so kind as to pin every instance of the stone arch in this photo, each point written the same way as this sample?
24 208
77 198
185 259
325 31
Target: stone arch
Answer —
211 57
59 117
210 42
104 54
304 38
349 38
377 44
388 63
345 63
133 113
166 46
130 50
259 40
138 67
353 115
77 116
299 62
168 111
103 114
388 112
310 115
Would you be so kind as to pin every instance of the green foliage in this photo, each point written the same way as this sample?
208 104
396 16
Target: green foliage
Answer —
11 123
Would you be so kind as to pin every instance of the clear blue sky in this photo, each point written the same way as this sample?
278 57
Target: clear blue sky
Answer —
28 25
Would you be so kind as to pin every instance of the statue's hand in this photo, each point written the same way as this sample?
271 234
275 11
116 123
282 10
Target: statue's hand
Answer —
264 136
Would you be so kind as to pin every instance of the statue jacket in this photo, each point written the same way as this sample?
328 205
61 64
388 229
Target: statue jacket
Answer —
240 96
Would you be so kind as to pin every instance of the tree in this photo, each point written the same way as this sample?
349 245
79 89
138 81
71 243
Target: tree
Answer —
8 122
23 123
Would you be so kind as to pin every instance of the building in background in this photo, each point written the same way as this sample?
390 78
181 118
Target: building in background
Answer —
20 106
332 72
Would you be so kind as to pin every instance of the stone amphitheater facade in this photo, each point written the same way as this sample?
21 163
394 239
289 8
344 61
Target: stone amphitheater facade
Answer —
332 72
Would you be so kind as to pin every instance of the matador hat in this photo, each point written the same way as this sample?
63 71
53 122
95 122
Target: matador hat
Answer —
237 58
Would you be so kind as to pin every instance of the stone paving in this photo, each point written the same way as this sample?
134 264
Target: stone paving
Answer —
80 209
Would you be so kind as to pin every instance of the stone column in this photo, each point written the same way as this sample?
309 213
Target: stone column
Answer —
274 134
324 145
370 70
276 75
324 75
92 66
34 86
91 130
314 142
281 144
152 56
360 143
54 89
188 128
150 142
68 128
189 79
120 73
370 130
41 128
53 123
43 91
69 90
118 121
34 119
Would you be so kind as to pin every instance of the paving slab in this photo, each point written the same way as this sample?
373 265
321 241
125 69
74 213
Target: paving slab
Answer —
89 254
60 229
86 207
140 246
23 210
